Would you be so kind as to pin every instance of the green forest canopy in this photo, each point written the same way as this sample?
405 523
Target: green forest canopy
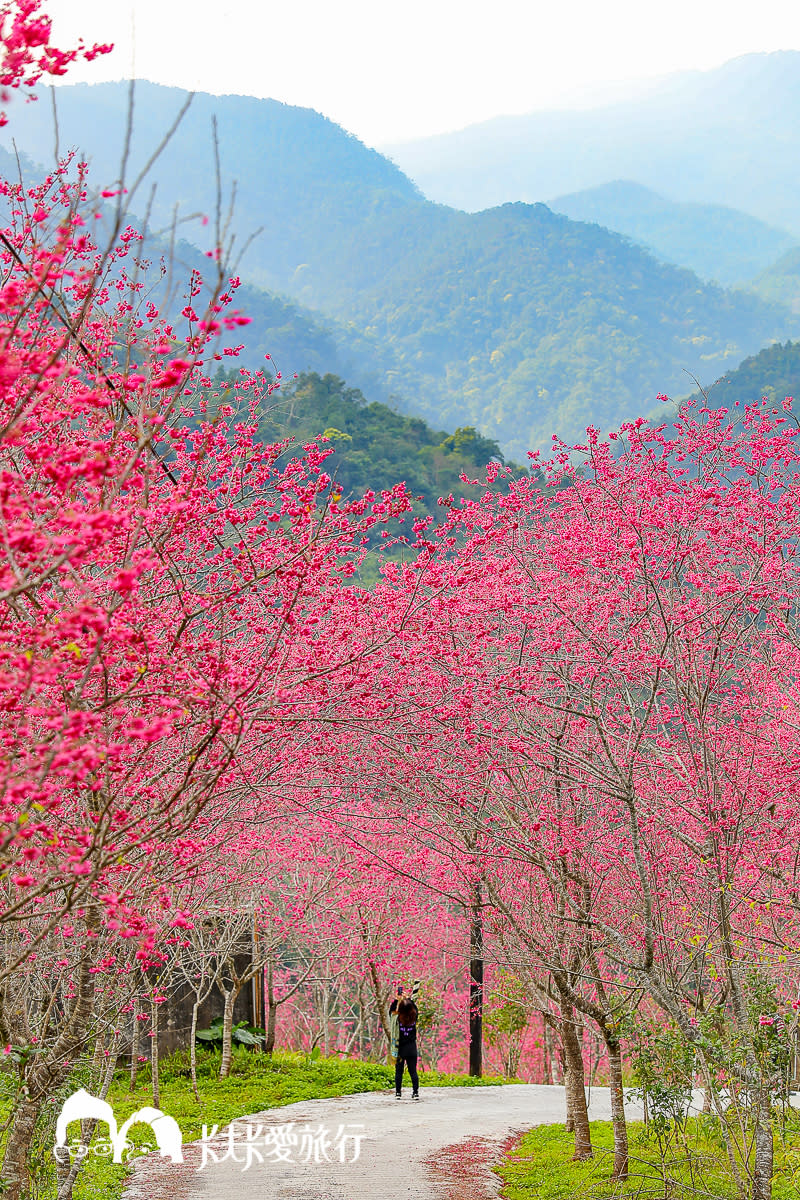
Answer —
374 446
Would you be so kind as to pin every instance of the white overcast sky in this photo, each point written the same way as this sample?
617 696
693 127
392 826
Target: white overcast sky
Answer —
388 72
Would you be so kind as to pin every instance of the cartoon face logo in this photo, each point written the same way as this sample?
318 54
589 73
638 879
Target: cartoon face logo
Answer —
82 1106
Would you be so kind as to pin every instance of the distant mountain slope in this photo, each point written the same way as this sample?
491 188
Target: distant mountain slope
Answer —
299 178
713 241
295 338
524 323
298 340
780 283
517 320
774 373
726 136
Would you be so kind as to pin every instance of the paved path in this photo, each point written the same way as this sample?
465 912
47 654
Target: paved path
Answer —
441 1148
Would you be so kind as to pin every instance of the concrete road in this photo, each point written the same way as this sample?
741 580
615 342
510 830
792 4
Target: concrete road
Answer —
440 1148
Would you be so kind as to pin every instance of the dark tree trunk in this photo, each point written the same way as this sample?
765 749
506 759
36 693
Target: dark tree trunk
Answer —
272 1014
476 985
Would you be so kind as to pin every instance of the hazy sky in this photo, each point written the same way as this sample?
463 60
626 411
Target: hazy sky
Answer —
389 71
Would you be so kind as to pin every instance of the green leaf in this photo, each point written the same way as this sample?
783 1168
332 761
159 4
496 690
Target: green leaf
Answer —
245 1038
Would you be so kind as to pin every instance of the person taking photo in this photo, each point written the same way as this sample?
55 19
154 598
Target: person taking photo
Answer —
403 1016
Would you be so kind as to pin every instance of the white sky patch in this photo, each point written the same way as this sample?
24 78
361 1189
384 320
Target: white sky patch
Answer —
392 72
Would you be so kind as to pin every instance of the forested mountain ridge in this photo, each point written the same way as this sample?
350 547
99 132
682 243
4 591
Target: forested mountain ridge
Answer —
294 338
545 324
298 177
516 321
716 242
374 446
773 373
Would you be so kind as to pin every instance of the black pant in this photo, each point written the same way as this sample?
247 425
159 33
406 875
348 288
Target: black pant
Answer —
408 1060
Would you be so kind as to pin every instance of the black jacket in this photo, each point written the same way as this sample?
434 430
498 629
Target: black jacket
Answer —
406 1035
407 1041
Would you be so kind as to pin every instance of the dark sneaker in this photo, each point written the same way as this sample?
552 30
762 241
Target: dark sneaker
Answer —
398 1095
415 1096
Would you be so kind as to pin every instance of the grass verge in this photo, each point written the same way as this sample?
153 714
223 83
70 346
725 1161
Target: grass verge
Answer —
690 1164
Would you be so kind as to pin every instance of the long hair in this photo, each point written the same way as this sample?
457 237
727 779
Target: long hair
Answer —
407 1013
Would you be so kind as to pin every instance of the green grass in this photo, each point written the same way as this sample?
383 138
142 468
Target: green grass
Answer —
256 1083
693 1165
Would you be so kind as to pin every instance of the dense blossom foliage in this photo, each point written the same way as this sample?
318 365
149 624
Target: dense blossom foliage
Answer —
558 734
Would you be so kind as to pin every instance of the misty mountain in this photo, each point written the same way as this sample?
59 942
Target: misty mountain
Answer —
288 172
713 241
780 282
727 136
517 320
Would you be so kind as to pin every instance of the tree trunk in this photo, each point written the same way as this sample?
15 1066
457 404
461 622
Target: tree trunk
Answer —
134 1048
16 1176
272 1013
514 1055
67 1181
574 1082
617 1109
326 1033
547 1053
380 1003
154 1059
96 1065
257 981
43 1074
193 1048
569 1116
227 1032
764 1150
361 1020
476 985
272 1020
569 1121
